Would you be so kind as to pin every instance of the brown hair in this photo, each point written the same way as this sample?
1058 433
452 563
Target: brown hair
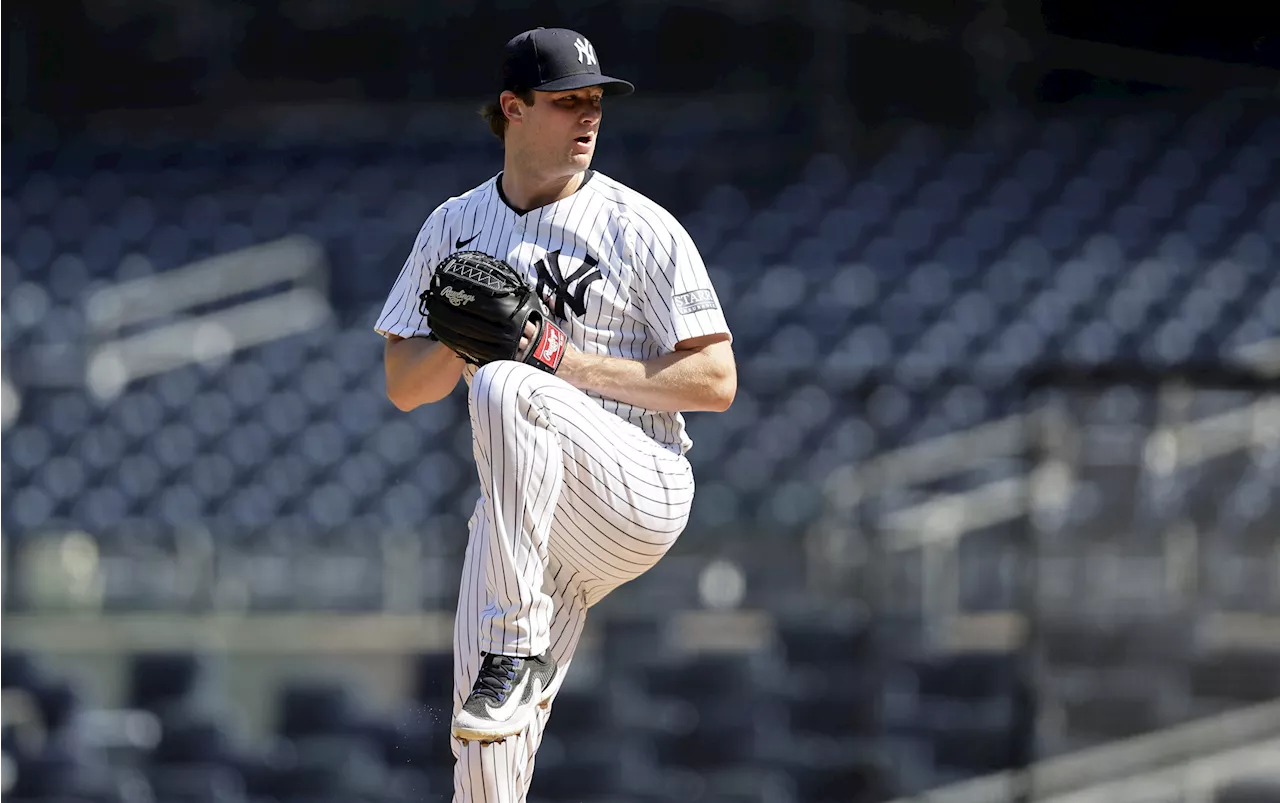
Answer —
497 120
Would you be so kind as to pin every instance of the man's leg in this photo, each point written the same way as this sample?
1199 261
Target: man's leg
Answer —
576 502
501 772
520 463
518 459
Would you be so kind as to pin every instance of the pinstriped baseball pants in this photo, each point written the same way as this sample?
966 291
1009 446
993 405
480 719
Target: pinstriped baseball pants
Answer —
574 502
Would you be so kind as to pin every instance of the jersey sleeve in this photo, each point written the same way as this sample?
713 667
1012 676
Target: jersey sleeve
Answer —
680 301
401 314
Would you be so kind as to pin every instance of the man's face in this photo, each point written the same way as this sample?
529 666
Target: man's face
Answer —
558 132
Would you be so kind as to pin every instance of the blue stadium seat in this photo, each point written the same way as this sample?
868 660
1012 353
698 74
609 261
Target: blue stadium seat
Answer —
20 670
56 774
197 783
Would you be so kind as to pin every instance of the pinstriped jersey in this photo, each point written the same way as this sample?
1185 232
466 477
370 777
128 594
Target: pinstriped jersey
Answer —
618 272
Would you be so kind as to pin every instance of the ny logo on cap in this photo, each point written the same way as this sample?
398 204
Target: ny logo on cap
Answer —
586 53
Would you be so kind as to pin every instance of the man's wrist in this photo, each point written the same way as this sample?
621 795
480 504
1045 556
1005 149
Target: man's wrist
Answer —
574 367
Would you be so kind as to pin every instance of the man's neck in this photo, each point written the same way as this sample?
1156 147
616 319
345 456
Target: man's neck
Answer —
526 191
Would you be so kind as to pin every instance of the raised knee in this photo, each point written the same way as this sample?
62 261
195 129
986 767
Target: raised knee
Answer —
497 385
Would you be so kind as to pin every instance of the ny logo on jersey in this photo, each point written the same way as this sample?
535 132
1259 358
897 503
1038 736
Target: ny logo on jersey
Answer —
586 53
551 277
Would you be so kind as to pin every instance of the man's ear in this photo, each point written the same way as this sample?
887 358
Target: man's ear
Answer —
511 105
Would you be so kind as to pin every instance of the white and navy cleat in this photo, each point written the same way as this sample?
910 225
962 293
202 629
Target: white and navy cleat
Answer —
507 690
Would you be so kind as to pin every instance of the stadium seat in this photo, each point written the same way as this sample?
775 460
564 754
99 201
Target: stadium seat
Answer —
158 679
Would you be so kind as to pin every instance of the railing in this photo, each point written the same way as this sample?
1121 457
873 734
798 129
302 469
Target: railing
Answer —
1128 771
841 546
290 275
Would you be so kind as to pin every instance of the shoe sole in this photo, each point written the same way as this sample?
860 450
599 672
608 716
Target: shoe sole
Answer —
487 736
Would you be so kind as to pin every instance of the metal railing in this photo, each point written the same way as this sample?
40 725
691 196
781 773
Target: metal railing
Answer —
1125 771
293 270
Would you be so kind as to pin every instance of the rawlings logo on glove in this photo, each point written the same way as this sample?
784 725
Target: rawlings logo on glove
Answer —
478 306
456 297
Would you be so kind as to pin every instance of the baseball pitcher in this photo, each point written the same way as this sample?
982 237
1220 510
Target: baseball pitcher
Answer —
581 317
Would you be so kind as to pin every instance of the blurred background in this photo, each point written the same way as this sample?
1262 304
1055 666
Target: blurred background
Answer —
994 516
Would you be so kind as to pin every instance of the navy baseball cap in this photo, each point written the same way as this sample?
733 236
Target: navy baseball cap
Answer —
553 60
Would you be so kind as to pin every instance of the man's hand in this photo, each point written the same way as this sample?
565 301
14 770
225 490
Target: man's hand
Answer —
571 354
530 332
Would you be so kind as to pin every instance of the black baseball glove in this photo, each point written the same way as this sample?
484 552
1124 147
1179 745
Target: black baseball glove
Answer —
478 305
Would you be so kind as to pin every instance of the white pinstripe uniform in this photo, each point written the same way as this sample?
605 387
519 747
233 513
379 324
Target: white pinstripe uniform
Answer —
579 493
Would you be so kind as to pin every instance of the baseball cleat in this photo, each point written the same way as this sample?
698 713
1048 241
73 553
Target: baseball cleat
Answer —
504 696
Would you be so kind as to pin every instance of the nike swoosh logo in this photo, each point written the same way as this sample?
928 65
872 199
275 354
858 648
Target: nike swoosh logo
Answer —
461 243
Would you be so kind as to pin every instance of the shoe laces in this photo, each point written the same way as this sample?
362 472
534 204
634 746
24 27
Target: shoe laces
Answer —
496 674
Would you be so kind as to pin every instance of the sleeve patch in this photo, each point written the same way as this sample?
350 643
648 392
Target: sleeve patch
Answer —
695 301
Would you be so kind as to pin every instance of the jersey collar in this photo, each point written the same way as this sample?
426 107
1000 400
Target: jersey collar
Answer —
497 185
